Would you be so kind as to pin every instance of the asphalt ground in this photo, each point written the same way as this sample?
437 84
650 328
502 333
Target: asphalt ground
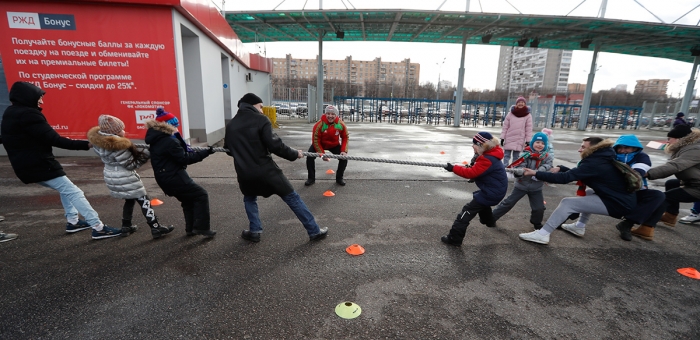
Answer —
408 284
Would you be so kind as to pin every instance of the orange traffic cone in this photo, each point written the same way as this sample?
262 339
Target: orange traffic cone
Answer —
442 152
330 171
355 249
328 193
690 272
156 201
465 163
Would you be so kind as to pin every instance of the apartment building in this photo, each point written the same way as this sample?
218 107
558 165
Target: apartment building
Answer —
349 70
656 87
524 69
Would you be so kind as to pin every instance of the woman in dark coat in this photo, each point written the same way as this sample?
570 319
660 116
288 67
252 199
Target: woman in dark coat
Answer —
250 140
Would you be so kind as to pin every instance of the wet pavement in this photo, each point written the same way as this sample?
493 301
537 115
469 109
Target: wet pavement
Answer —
408 284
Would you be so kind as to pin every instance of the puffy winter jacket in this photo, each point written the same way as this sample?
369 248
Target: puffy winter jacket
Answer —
119 173
516 131
488 173
169 159
327 136
684 163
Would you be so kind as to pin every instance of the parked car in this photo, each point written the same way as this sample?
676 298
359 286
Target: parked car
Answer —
302 109
283 110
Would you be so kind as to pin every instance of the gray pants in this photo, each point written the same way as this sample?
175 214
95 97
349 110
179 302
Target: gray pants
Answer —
585 205
536 205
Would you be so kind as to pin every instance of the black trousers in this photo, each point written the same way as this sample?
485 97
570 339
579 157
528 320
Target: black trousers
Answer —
195 205
675 195
311 163
469 211
649 209
146 210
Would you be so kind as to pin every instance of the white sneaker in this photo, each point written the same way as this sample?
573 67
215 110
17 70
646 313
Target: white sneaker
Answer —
535 236
571 227
692 218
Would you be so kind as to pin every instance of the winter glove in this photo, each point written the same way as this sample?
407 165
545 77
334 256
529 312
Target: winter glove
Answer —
503 141
527 143
449 167
211 150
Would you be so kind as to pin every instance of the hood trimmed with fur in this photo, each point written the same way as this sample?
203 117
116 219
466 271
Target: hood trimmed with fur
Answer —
691 138
160 126
111 143
606 143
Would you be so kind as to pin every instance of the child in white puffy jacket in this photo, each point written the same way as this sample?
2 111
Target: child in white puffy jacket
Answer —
121 159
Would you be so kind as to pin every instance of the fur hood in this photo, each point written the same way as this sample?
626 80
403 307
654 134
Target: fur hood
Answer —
691 138
160 126
494 142
606 143
112 143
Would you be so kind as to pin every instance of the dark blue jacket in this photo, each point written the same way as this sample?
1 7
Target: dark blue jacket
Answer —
597 172
638 160
489 174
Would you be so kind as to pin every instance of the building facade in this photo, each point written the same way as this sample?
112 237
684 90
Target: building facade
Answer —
524 69
657 87
365 73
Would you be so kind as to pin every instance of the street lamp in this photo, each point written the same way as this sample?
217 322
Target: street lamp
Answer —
437 96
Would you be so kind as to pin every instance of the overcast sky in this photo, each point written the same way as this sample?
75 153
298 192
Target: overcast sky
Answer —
481 62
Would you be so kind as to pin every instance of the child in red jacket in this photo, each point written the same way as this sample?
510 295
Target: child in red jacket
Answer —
489 174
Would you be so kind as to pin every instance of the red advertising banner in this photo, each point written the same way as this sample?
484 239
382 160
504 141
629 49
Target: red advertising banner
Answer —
92 60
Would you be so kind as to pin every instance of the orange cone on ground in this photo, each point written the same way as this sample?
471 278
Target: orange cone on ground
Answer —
465 162
355 250
690 272
328 193
330 171
156 201
442 152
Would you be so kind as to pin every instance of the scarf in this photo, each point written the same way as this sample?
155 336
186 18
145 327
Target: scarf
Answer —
529 153
337 126
520 112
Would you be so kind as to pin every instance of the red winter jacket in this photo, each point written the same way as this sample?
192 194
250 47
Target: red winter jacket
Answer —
326 136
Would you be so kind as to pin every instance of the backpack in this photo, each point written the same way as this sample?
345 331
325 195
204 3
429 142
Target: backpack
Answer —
633 180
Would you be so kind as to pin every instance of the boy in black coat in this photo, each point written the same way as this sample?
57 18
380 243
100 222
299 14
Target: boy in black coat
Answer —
170 160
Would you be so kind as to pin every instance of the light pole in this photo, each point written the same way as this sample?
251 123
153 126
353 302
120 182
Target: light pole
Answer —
437 96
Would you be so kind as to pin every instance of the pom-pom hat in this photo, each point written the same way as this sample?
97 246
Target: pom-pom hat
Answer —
521 99
482 137
167 117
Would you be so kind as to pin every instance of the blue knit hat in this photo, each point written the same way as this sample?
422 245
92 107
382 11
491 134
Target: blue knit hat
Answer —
481 138
540 136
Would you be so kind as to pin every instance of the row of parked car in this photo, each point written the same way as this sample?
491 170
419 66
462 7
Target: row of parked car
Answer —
291 108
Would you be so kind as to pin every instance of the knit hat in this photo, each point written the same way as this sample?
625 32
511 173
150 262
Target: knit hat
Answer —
331 109
482 137
110 125
250 98
167 117
540 136
679 131
680 114
521 99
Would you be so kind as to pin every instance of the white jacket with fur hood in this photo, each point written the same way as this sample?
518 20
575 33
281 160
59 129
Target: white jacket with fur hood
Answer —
120 176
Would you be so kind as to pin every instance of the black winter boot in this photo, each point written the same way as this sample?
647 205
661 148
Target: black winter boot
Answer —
625 228
158 230
127 228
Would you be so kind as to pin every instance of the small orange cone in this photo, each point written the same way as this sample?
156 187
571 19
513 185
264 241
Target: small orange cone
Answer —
355 250
690 272
330 171
328 193
465 163
156 201
442 152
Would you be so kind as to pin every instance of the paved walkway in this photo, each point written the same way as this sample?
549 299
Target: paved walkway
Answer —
409 285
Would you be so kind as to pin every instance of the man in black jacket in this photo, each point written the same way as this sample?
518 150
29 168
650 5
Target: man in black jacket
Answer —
250 140
28 139
607 195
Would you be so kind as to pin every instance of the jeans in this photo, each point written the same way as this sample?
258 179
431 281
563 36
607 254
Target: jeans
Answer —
506 157
293 201
73 200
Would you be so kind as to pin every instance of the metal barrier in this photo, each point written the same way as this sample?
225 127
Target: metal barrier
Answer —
599 117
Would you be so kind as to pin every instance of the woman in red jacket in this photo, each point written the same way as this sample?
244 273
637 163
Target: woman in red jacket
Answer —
329 134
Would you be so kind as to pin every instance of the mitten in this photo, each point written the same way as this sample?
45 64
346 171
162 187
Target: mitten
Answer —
503 141
449 167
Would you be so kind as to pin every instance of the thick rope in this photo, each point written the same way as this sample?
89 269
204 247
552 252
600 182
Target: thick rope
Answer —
352 158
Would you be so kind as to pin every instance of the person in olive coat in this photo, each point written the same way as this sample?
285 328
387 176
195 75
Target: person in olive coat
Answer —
170 159
28 139
250 141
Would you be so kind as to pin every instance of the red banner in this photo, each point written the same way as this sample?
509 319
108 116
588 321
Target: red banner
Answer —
92 60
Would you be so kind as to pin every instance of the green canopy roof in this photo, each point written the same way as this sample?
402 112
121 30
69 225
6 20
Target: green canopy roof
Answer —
617 36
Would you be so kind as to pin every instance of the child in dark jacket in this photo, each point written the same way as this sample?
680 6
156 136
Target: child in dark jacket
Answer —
170 159
535 156
488 172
